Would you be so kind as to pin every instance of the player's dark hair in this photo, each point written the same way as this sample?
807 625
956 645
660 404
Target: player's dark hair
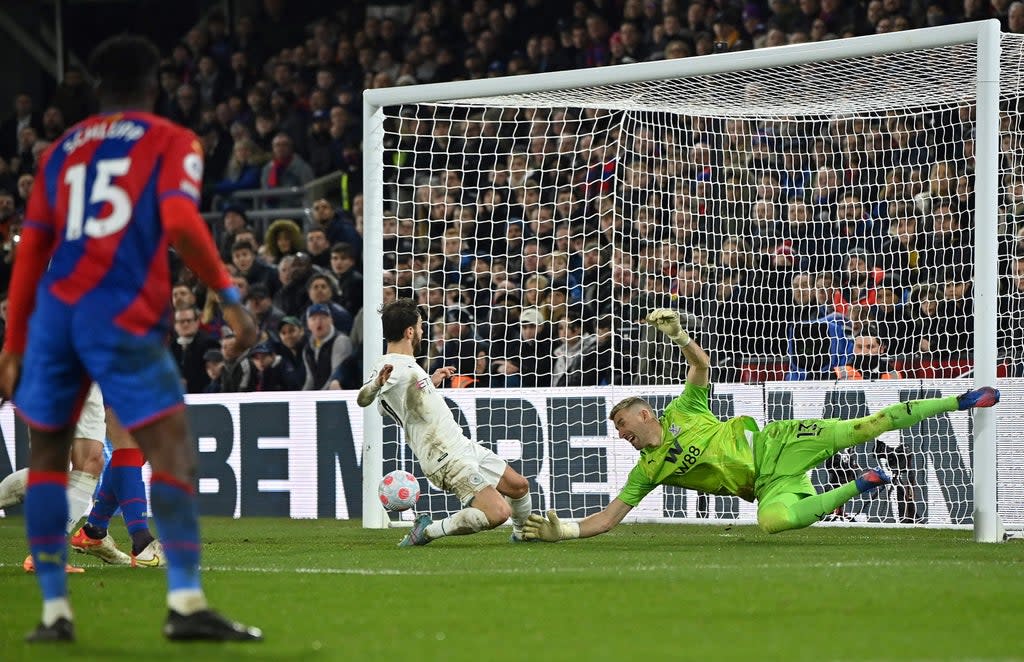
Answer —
398 316
126 67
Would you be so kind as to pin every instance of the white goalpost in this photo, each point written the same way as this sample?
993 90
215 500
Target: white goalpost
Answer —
836 223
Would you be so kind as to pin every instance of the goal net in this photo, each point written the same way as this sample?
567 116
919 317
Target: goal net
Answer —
814 222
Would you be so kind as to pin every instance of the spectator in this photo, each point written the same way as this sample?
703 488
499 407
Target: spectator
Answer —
243 169
268 317
293 272
23 116
284 237
290 350
336 224
233 220
268 369
53 124
457 346
870 360
574 350
189 349
328 348
350 281
237 375
286 168
182 296
255 272
75 97
318 248
322 290
213 360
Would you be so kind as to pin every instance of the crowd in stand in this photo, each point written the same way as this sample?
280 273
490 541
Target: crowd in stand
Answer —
831 246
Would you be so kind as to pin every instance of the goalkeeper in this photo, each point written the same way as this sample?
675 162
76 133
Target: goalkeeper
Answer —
689 447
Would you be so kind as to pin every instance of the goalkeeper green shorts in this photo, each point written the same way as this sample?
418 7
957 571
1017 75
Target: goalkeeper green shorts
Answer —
784 451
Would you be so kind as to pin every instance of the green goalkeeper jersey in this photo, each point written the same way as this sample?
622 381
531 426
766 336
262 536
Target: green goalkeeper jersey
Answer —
697 451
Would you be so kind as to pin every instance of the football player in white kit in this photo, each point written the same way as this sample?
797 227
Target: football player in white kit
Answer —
489 489
87 465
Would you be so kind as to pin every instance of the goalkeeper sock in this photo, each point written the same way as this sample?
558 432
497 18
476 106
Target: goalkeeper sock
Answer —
894 417
80 488
521 508
789 511
466 521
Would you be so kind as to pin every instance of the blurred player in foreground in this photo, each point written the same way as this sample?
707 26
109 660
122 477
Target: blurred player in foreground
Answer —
689 447
121 486
90 301
489 489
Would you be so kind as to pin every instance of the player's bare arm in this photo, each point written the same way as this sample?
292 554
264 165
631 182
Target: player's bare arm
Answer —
667 321
10 371
442 374
552 529
242 323
368 393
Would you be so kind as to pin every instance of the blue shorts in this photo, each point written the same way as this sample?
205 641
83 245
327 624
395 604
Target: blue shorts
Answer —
71 346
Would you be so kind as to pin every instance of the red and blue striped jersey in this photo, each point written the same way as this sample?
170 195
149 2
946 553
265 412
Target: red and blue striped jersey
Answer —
98 190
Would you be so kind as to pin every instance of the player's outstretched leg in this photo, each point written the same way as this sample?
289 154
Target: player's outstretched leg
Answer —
906 414
794 511
418 533
466 521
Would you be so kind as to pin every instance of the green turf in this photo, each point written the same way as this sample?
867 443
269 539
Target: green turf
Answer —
326 590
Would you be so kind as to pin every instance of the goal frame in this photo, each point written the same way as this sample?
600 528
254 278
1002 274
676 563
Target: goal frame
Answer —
984 34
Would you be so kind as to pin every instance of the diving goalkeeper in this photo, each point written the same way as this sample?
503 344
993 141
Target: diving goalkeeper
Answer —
689 447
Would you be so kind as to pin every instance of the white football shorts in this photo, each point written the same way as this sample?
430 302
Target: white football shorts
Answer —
467 474
92 422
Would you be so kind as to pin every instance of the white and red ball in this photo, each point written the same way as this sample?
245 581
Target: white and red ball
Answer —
398 490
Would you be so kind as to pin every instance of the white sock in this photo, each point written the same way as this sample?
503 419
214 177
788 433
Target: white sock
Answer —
466 521
186 601
521 509
12 488
54 609
81 487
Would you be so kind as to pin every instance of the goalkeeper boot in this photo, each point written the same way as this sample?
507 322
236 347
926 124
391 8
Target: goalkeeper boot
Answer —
207 625
986 396
873 478
30 566
61 630
418 534
104 549
150 557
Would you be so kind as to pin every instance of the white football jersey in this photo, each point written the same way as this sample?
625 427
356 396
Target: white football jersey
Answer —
409 397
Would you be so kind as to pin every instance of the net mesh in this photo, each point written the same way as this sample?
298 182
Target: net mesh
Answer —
809 222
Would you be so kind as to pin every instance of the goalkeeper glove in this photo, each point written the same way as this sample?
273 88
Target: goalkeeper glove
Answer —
667 321
550 529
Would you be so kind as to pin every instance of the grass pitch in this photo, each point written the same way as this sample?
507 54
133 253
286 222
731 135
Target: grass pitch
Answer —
328 590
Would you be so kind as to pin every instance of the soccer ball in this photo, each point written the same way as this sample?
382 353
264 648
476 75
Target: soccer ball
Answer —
398 490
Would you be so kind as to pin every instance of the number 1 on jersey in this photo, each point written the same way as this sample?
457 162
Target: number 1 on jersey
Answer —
102 191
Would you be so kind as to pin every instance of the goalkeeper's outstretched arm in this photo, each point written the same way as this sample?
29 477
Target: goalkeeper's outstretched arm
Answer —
667 321
552 529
